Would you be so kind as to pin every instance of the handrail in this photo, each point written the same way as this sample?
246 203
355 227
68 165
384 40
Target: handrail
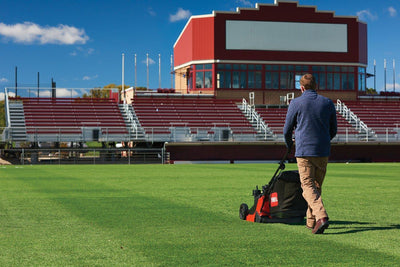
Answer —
351 117
255 117
8 120
131 118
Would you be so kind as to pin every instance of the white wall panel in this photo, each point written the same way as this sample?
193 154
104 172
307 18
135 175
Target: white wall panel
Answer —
286 36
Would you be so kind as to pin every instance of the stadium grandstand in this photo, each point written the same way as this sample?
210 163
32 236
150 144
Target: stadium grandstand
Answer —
232 90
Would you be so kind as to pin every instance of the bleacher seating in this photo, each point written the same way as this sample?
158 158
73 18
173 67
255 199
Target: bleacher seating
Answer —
382 116
70 115
158 115
275 119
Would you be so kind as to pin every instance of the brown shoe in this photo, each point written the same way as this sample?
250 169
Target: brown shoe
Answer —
320 226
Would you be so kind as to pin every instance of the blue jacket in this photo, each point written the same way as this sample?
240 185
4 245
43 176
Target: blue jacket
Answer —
313 117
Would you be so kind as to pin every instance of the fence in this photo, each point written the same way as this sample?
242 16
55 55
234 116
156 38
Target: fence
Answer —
87 156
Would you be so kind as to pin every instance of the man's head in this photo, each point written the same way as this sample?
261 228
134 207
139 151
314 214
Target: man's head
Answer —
307 81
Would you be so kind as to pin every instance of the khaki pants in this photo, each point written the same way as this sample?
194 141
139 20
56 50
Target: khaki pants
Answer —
312 172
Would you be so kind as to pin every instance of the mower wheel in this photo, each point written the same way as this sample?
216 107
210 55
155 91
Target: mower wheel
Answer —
243 211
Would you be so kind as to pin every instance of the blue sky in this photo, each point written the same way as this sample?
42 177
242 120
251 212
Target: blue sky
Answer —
79 43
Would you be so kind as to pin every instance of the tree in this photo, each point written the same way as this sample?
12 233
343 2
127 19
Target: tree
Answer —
104 92
371 91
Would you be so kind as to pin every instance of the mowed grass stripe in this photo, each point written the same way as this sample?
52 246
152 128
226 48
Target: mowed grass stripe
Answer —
188 215
35 230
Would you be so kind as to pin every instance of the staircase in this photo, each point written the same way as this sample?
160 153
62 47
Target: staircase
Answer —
132 122
264 133
365 133
17 128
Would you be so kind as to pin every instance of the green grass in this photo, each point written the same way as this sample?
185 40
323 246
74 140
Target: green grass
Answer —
182 215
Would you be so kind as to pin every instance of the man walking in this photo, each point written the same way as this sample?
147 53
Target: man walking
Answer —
313 118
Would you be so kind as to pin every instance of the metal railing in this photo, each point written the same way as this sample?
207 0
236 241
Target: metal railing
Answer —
87 155
182 134
131 119
353 119
255 118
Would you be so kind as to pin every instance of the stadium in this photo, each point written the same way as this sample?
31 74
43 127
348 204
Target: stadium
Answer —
234 79
102 177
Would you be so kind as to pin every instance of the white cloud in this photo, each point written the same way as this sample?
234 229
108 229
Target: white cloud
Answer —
45 93
389 87
392 11
151 12
63 92
244 3
10 94
31 33
83 51
151 61
181 14
88 78
3 80
366 15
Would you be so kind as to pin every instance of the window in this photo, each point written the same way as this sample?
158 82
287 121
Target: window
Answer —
203 76
334 77
361 79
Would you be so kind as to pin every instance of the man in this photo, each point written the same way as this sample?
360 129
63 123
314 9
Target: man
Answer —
313 117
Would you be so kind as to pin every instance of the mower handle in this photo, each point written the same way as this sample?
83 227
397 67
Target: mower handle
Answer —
282 163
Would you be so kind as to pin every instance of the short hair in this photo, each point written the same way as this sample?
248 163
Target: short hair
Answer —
308 81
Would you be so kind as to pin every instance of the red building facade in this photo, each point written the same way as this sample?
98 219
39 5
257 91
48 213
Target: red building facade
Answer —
266 49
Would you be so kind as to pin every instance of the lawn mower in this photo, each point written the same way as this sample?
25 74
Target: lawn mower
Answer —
279 201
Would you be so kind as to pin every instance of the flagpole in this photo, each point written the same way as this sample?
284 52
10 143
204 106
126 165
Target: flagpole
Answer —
123 74
134 92
394 76
147 64
384 67
159 70
172 75
374 75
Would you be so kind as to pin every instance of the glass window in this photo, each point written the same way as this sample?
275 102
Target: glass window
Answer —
243 80
228 83
268 80
329 81
351 81
207 66
297 81
336 83
199 80
200 67
284 80
275 80
258 79
251 79
322 81
235 79
207 79
361 79
220 79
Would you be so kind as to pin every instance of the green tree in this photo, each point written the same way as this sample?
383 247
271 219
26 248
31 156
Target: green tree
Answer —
371 91
104 92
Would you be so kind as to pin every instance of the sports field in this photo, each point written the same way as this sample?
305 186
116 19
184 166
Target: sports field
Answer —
187 215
